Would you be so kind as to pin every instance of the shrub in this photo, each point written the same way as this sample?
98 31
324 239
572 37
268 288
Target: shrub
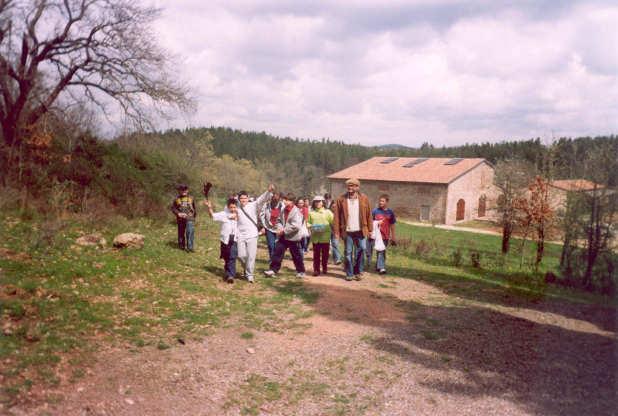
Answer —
456 256
404 243
475 259
423 248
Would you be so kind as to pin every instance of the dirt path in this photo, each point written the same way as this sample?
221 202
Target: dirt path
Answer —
382 346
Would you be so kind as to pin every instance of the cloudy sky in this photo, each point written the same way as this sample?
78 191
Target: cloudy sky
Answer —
406 72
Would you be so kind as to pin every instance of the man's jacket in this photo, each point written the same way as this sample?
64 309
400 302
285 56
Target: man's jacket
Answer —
340 211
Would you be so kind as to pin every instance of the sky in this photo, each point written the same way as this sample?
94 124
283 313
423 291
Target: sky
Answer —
405 72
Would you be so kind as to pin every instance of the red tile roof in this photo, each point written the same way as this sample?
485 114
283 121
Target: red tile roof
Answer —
432 170
575 185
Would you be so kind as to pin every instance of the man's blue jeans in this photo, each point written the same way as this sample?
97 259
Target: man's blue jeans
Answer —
334 244
271 240
186 233
355 245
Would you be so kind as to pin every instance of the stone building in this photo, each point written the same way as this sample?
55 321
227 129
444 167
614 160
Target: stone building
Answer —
559 191
437 190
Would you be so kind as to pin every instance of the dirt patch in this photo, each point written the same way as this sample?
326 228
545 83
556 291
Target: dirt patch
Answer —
382 346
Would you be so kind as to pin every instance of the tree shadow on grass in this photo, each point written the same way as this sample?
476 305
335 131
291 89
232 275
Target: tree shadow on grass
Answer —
543 368
491 287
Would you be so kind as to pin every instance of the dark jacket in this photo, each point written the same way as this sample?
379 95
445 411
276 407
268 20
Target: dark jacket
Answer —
186 205
340 211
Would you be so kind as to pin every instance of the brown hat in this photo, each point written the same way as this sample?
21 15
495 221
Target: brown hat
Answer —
352 181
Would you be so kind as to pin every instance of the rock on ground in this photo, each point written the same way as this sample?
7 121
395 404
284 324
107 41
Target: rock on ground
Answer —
127 240
95 239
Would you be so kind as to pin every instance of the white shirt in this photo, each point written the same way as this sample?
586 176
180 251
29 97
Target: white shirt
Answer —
247 226
228 225
353 215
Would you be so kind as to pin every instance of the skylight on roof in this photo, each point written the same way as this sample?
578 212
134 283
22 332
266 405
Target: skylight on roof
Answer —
389 160
454 161
415 162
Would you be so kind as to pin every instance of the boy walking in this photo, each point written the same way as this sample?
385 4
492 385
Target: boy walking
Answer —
269 218
228 237
183 208
289 236
248 229
386 218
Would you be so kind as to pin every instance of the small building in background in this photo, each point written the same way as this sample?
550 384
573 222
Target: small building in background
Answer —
560 189
436 190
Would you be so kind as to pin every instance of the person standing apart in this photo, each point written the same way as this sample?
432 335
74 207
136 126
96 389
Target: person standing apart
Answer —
352 221
229 235
248 229
269 217
320 222
386 218
183 208
289 233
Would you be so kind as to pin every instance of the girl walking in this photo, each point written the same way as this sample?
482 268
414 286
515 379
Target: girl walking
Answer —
320 222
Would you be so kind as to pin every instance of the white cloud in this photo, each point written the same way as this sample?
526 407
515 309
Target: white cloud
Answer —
401 72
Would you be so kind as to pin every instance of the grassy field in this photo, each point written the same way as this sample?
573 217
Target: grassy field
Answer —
60 303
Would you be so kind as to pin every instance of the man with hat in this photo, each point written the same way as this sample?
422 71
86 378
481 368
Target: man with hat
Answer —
352 221
183 208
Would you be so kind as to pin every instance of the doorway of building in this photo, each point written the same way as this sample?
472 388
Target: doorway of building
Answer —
461 210
482 206
425 213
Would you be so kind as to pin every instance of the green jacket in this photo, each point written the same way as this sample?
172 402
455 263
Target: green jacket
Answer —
321 221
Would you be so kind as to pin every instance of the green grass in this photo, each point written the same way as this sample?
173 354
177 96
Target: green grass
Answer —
497 277
59 301
64 300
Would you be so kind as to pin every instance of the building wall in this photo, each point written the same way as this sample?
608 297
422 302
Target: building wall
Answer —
406 198
469 187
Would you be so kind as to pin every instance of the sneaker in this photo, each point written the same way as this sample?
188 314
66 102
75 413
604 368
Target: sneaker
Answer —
270 273
349 278
300 275
358 277
229 279
316 273
338 262
250 279
382 271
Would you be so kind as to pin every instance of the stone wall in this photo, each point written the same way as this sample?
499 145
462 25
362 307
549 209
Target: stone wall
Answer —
406 198
470 187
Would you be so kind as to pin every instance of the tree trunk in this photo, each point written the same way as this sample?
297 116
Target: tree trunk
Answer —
594 231
507 229
540 245
522 247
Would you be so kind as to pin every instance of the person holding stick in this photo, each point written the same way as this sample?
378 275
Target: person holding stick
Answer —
228 236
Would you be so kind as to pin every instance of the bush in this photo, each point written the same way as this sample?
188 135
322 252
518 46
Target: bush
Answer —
423 248
404 244
475 259
456 257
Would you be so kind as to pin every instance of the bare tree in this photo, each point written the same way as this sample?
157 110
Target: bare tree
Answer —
512 178
96 52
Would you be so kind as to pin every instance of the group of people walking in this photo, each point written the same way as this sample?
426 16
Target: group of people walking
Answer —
290 224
